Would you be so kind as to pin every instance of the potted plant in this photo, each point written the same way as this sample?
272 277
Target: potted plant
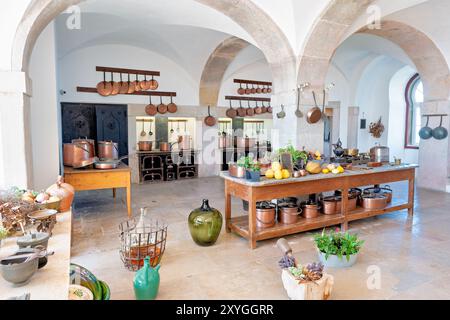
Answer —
299 158
308 282
254 172
338 249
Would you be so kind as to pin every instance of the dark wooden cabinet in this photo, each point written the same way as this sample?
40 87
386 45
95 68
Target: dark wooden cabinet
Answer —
100 122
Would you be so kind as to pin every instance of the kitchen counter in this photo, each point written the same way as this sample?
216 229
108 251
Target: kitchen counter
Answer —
266 190
52 281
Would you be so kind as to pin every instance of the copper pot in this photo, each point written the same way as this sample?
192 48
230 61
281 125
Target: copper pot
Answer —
145 145
374 202
332 205
265 215
311 210
385 191
164 146
108 150
74 154
288 214
235 171
90 142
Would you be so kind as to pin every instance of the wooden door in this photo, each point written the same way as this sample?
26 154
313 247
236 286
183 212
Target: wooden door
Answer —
112 125
78 120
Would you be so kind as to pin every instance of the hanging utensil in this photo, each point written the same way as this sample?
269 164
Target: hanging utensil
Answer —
123 86
151 109
249 110
269 89
258 89
104 88
210 121
314 115
153 84
241 90
231 113
440 133
150 133
241 110
281 114
269 108
172 107
131 88
298 113
253 89
258 109
137 84
178 126
171 127
162 108
145 85
115 86
247 89
185 127
426 132
263 108
143 133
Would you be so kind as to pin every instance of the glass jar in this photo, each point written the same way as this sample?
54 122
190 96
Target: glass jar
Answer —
205 224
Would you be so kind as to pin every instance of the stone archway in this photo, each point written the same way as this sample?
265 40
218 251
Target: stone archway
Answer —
215 69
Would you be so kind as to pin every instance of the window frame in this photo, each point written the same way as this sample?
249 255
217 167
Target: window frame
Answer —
409 105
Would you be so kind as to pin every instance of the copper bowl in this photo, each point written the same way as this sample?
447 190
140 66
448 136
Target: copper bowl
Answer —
235 171
374 202
145 145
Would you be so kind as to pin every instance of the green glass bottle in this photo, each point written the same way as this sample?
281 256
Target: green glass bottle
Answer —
146 282
205 224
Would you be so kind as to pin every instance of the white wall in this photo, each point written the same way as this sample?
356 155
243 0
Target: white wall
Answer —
397 117
78 69
44 116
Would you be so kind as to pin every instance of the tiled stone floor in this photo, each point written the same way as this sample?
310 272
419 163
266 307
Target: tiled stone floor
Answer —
412 254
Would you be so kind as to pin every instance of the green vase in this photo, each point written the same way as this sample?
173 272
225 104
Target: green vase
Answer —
205 224
146 281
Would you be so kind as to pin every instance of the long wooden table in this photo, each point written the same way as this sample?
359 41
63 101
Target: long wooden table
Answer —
95 179
266 190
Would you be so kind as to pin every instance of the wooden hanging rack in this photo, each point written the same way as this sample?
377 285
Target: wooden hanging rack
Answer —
138 93
435 115
240 98
254 82
128 71
182 120
144 120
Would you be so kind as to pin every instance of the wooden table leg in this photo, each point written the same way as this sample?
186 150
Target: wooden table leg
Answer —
129 200
252 222
114 192
227 208
344 209
411 194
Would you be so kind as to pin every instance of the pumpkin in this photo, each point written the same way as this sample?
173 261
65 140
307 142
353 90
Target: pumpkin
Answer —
64 191
314 167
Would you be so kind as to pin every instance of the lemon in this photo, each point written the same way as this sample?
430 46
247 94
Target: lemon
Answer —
286 174
325 171
276 166
341 170
279 175
270 174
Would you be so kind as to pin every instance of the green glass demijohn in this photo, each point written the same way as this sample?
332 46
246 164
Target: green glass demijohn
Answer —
146 281
205 224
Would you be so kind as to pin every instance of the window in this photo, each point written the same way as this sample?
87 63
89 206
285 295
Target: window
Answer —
414 100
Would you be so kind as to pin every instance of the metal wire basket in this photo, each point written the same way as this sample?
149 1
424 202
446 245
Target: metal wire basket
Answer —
141 241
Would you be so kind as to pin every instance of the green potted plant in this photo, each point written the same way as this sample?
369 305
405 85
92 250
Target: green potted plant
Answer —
338 249
254 172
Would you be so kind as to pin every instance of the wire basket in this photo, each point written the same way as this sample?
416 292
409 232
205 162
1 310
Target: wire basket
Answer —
139 242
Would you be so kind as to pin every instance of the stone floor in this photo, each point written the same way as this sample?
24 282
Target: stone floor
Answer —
411 254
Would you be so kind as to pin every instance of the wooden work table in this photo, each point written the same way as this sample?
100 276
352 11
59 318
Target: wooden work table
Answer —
266 190
95 179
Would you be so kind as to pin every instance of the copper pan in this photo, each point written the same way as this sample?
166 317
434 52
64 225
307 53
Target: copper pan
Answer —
123 86
104 87
131 87
241 90
258 90
250 112
241 110
258 109
269 109
162 108
115 86
153 84
231 113
137 84
210 121
151 109
269 89
253 90
315 114
144 84
263 108
172 107
247 89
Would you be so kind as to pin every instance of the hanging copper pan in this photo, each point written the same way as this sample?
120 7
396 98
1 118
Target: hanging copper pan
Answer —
269 89
247 89
151 109
115 86
253 91
263 108
144 84
153 84
315 114
250 112
241 90
258 109
241 111
123 86
104 88
131 87
269 108
172 107
137 84
162 108
258 90
264 89
210 121
231 113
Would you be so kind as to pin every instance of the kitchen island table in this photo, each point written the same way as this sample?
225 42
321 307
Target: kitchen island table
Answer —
266 190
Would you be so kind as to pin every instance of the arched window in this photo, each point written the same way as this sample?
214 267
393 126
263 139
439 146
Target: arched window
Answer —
414 100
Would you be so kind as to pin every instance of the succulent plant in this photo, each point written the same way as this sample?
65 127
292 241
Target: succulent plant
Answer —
313 271
287 262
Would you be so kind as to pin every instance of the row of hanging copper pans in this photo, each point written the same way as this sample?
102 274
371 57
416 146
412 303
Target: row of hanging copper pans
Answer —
129 86
249 111
162 108
253 89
